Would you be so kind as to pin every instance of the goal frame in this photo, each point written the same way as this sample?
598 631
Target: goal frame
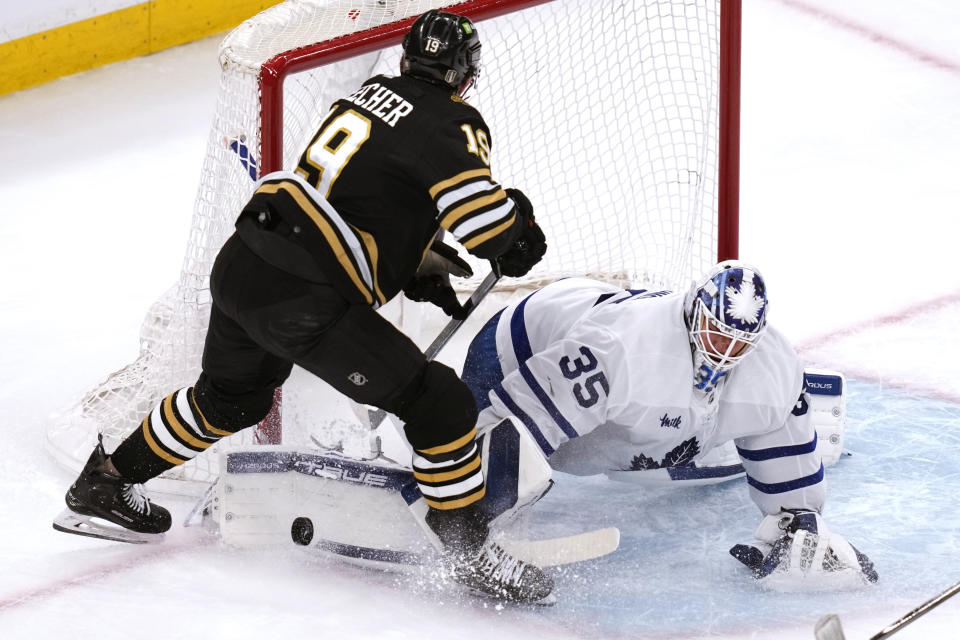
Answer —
269 60
274 72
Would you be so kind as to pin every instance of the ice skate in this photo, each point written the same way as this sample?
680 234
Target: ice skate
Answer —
482 565
494 572
98 496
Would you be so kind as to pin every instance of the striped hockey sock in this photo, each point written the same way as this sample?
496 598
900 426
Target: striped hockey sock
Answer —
173 433
450 475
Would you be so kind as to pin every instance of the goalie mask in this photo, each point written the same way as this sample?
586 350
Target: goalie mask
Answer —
726 315
442 48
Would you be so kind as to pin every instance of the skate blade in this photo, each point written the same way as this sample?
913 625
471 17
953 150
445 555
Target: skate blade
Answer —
72 522
548 601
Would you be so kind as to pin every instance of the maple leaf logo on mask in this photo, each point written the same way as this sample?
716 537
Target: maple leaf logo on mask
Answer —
744 305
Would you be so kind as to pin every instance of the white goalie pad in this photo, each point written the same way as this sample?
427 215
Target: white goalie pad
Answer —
371 512
515 470
362 511
826 397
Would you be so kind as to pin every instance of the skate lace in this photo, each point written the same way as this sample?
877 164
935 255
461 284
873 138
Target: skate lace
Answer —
135 499
500 565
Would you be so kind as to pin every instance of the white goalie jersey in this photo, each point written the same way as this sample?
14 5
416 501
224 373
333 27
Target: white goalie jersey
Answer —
603 379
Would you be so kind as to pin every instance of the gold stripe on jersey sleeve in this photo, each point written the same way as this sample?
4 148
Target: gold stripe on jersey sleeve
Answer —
448 220
483 237
457 179
206 425
370 242
455 474
456 504
178 429
156 448
452 446
326 229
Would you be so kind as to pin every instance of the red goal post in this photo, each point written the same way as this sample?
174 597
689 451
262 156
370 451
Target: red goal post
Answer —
620 121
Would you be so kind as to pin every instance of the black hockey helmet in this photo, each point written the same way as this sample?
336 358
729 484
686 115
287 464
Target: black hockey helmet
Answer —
442 48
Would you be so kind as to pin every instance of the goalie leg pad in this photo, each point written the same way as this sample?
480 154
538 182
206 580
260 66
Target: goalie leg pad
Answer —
361 511
516 471
827 404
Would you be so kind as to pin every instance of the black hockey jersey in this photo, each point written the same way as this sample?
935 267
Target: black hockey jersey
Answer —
389 166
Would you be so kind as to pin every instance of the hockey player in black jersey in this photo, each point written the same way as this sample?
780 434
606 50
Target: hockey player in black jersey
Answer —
315 252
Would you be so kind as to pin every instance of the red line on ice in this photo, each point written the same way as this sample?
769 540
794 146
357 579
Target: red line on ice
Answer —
919 309
140 559
924 391
874 35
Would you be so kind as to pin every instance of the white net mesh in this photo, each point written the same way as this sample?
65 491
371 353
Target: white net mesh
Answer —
604 113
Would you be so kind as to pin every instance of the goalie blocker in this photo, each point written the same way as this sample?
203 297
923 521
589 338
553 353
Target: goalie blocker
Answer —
372 512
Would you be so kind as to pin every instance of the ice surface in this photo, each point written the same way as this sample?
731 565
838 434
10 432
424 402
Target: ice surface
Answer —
850 202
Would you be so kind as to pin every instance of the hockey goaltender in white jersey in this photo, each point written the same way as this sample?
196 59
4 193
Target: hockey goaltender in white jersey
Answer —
608 380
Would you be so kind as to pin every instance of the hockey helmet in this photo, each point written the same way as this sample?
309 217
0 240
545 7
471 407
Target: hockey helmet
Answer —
726 313
442 48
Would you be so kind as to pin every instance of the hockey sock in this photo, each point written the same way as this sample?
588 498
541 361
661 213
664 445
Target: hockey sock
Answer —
450 475
173 433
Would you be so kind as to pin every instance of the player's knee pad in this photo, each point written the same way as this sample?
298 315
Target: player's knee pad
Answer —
438 409
229 411
516 471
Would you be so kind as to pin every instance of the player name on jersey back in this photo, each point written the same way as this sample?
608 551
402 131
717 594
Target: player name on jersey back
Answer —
381 102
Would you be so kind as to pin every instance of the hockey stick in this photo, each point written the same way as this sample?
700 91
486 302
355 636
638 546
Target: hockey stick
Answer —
377 416
565 550
550 552
829 627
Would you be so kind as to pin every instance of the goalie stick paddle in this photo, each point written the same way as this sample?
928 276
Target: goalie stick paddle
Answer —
566 550
377 416
829 627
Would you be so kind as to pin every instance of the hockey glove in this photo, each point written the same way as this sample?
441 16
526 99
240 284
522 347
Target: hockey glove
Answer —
432 280
794 550
436 290
443 260
530 245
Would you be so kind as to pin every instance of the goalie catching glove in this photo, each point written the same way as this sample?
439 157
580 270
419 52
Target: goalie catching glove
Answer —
530 245
795 551
432 280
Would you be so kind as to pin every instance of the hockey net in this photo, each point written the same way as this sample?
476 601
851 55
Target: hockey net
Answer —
617 119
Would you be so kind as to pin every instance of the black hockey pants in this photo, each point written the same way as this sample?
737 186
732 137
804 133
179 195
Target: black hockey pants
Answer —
264 320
